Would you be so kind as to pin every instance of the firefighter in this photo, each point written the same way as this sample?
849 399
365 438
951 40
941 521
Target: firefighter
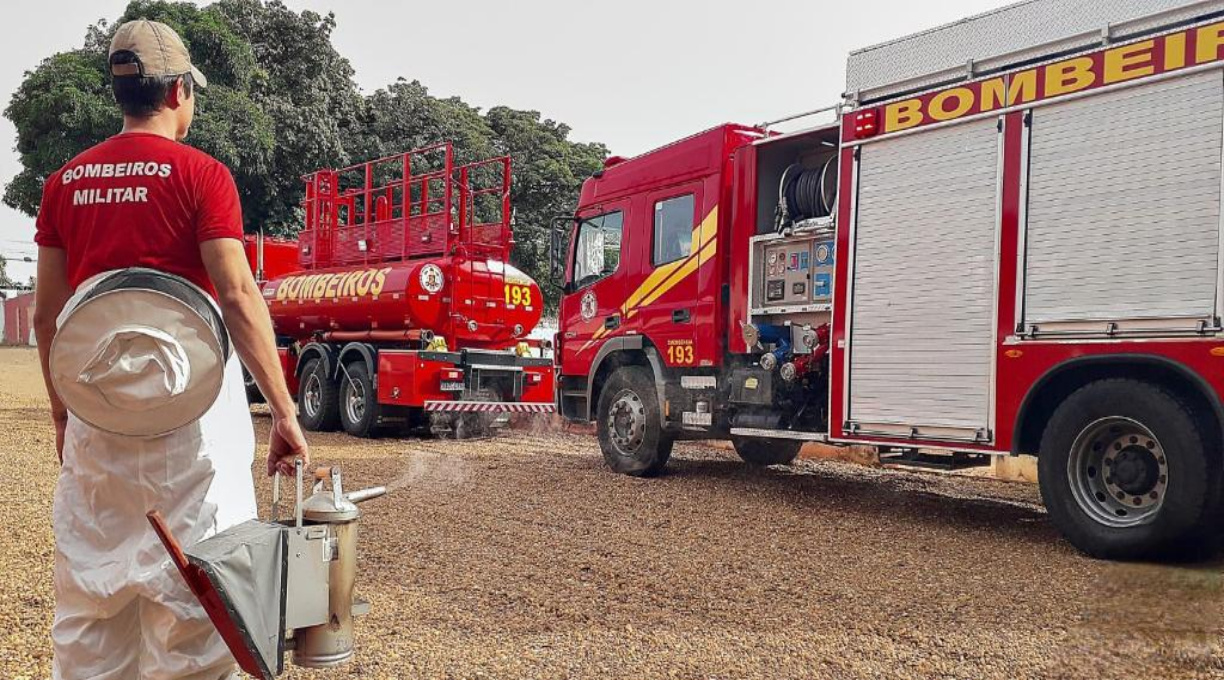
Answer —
144 199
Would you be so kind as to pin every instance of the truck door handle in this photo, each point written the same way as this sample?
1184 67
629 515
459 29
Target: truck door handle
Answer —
612 322
681 316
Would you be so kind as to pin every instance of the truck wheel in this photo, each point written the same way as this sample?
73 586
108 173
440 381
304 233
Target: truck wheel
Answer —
358 400
318 398
630 424
254 396
767 451
1128 470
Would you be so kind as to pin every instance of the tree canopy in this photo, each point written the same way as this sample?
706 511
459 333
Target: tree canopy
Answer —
282 102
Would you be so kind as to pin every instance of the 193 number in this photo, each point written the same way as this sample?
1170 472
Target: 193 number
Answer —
679 354
518 295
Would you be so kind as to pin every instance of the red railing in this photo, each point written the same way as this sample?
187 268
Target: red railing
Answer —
403 206
484 208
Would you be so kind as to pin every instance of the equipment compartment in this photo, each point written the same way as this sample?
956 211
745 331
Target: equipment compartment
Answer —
797 178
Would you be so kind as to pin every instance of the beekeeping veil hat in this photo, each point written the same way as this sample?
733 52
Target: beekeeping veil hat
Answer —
139 352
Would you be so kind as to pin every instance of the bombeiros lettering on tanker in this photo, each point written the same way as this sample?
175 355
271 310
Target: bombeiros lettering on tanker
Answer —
1162 54
359 283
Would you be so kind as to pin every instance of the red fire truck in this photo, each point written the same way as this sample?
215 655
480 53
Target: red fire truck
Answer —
399 304
1008 242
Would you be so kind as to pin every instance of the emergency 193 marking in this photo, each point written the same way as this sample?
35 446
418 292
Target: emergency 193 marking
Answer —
518 295
680 351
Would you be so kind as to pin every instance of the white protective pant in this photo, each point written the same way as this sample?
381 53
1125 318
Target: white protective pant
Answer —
123 612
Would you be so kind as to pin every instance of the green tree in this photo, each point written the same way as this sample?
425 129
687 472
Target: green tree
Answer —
548 168
548 174
281 103
5 281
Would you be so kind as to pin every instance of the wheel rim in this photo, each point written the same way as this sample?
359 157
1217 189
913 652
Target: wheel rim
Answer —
627 422
354 404
312 401
1119 472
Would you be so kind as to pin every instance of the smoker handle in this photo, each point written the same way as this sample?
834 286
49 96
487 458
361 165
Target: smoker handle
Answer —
172 545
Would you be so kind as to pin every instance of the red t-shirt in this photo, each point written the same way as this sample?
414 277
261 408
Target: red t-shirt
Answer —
138 200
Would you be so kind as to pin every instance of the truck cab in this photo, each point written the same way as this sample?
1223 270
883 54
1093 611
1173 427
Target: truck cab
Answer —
646 317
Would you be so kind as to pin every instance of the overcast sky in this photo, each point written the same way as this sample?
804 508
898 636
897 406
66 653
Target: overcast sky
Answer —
634 74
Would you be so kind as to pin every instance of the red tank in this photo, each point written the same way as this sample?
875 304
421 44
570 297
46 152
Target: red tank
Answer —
486 304
394 252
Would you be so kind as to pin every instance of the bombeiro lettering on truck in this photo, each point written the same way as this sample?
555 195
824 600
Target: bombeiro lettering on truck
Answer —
398 306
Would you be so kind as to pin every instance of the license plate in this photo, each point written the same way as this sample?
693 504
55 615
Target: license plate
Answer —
452 386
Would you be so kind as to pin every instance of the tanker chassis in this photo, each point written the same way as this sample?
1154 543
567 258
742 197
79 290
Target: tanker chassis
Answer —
402 306
1008 242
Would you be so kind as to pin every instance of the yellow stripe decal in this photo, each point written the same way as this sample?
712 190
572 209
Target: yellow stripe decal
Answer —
702 249
667 276
690 265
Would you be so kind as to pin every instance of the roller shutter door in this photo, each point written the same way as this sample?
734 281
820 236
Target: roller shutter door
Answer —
1124 204
922 316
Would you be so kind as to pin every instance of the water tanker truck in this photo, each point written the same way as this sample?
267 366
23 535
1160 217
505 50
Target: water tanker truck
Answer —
401 306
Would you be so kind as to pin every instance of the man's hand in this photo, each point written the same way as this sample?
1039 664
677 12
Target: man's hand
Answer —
286 443
61 425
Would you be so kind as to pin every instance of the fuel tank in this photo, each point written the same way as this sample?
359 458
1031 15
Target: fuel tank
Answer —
479 303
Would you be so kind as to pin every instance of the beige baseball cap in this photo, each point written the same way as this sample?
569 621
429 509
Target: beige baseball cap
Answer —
159 51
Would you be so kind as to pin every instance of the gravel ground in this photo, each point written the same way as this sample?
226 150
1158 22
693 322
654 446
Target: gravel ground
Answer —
522 557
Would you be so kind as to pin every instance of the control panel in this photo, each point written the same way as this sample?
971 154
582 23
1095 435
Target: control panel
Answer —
792 273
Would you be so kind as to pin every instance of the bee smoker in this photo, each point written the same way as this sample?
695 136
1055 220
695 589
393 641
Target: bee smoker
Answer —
331 643
272 586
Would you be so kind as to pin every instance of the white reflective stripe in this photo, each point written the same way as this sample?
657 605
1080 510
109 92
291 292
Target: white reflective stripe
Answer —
489 406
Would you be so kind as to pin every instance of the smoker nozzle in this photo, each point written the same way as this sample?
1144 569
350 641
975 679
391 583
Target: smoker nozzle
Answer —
366 494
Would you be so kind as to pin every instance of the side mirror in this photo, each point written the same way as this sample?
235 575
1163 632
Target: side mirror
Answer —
557 249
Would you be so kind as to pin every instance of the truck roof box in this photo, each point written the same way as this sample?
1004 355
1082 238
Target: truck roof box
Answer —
1026 32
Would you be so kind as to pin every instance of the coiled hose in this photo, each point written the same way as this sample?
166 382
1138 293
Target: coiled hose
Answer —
805 193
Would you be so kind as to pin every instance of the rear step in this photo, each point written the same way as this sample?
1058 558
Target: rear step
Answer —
948 462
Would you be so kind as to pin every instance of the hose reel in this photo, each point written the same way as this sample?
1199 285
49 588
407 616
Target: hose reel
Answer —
807 193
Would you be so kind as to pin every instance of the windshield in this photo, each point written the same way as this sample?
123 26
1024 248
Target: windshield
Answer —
598 249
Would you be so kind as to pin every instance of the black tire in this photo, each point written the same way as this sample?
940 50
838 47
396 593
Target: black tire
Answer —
631 393
359 410
767 451
1165 456
318 398
254 396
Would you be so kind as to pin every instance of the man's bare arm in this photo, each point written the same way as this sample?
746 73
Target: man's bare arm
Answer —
246 317
49 298
51 293
250 327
